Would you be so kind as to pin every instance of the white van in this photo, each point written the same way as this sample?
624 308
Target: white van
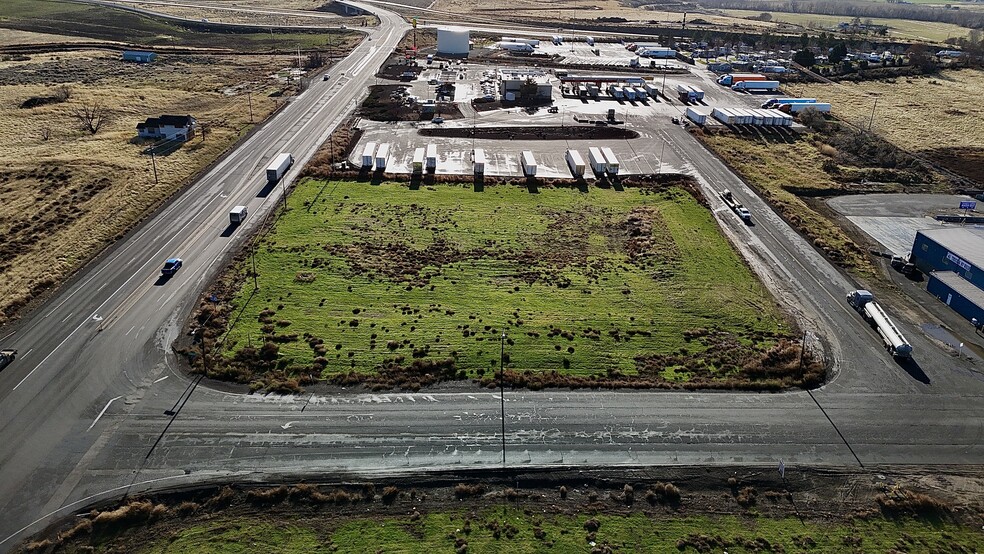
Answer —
237 215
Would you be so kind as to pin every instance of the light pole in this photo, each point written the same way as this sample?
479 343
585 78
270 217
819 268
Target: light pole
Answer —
659 168
502 393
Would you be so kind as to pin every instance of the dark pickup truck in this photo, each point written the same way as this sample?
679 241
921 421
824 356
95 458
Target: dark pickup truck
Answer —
6 356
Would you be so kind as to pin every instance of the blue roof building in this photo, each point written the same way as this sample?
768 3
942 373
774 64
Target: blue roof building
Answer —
138 56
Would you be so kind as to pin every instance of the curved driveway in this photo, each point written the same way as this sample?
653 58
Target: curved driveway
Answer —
82 409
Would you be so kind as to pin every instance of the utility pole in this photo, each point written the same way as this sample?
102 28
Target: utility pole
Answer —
249 101
153 161
252 256
502 393
872 118
659 169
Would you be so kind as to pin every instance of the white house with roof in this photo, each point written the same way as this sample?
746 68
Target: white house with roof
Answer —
171 127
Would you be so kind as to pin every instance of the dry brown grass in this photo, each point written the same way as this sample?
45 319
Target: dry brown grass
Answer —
918 114
245 16
66 197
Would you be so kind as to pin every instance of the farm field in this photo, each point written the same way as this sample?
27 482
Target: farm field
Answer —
81 20
905 29
910 110
385 281
67 192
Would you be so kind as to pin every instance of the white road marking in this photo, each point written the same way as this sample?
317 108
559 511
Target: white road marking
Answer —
66 318
161 379
50 354
8 336
26 354
106 407
128 332
288 425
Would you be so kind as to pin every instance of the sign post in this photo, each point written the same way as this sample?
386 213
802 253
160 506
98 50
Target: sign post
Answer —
967 206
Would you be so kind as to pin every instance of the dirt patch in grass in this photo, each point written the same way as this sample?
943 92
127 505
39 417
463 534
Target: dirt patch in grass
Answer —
383 104
652 510
66 192
583 132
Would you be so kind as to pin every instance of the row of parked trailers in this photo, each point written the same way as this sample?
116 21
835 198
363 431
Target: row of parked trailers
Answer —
602 161
629 92
749 116
375 156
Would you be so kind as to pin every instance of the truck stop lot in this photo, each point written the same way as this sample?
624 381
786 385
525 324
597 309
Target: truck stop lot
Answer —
647 154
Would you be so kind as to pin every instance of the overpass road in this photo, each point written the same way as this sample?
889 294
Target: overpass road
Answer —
82 410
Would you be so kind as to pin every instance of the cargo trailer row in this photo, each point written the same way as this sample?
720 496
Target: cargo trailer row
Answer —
749 116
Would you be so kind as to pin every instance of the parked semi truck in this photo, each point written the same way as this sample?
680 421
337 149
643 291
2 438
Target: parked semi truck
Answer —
735 206
774 102
418 160
597 160
688 93
575 162
757 86
367 154
431 158
529 163
799 107
611 162
864 302
279 166
735 78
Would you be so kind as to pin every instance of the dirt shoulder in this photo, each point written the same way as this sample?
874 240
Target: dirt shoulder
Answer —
635 509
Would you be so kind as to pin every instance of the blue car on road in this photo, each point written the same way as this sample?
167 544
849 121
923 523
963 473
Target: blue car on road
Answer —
171 266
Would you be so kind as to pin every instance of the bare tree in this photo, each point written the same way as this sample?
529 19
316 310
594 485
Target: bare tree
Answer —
204 129
91 117
45 133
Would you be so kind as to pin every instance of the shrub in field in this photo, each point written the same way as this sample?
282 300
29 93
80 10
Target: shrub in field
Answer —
463 490
899 501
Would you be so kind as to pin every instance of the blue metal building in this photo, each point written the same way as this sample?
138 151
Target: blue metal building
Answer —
957 293
956 249
138 56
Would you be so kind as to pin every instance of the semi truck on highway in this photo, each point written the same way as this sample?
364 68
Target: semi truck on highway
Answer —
735 206
279 166
864 302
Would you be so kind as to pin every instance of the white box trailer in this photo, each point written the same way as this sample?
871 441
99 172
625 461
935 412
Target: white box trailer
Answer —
478 161
611 162
597 160
697 117
575 162
381 154
368 153
529 163
417 165
641 93
629 93
431 158
723 115
652 90
279 166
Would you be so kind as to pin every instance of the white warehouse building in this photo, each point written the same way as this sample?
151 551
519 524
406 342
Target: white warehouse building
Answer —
452 41
513 81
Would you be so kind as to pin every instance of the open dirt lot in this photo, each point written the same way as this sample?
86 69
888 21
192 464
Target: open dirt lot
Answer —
939 117
68 192
737 510
256 13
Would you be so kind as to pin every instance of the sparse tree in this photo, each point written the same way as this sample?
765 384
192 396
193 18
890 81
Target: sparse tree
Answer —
315 60
204 129
45 133
804 58
91 117
765 16
838 53
63 93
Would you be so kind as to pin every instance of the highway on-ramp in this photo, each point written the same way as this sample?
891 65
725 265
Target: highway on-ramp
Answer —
82 410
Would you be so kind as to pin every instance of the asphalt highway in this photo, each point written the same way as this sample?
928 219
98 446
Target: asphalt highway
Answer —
82 410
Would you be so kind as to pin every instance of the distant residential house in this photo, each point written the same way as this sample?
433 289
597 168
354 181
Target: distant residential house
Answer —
179 127
139 56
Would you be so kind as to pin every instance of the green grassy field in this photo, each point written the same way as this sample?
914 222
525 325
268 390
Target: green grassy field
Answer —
899 28
582 283
96 22
507 528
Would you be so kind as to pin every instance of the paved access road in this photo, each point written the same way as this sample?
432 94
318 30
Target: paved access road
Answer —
82 409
